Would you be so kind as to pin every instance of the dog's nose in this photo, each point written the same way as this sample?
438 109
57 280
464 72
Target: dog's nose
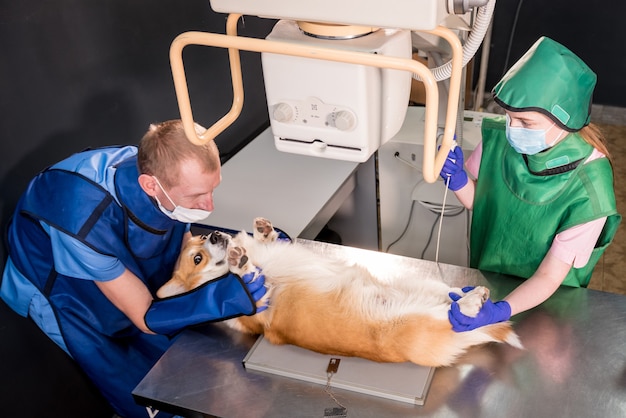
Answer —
214 238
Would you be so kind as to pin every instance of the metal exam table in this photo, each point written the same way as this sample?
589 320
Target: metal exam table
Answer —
574 364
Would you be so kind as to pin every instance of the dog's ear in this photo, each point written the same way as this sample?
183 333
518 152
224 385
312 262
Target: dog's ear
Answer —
171 288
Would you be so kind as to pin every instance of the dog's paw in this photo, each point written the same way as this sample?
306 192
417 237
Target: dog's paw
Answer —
473 300
238 260
264 231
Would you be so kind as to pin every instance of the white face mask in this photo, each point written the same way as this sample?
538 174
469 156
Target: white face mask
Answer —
528 141
180 213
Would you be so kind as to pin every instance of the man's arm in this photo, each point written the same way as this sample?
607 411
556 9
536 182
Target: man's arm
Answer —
130 296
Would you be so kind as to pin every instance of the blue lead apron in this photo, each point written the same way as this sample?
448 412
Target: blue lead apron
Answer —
113 352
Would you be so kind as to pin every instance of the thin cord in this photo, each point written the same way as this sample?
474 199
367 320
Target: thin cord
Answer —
433 208
406 228
443 208
432 229
453 211
397 156
508 49
330 393
430 236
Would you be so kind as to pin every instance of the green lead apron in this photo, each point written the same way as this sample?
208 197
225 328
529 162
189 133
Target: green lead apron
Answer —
523 202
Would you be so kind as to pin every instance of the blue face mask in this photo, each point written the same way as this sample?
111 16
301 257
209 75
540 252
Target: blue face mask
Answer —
528 141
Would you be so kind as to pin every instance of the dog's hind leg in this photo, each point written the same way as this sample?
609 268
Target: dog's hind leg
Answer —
473 300
264 231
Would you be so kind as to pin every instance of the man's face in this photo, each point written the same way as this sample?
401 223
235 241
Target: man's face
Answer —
195 187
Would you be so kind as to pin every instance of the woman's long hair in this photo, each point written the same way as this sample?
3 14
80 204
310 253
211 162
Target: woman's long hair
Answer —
593 136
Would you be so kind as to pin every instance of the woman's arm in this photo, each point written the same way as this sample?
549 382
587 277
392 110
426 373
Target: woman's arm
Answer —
540 286
529 294
466 194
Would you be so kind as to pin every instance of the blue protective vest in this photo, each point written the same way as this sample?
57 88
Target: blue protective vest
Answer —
107 345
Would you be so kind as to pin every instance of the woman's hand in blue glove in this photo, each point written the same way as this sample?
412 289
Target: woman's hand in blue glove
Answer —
490 313
255 283
452 171
455 296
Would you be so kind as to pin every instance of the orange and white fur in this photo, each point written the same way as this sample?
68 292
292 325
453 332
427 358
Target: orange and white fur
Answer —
334 306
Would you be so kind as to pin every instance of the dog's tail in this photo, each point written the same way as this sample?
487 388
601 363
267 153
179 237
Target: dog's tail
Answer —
461 341
502 333
438 345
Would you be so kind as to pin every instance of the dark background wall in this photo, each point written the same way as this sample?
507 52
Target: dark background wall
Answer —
77 74
592 30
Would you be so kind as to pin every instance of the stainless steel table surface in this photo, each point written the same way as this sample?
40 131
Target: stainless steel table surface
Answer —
573 365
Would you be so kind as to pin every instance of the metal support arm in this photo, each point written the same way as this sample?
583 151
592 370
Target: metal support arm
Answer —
433 160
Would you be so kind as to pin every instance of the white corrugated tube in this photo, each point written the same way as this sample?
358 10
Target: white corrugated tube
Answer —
475 38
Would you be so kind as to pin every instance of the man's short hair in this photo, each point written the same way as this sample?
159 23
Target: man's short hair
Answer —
164 147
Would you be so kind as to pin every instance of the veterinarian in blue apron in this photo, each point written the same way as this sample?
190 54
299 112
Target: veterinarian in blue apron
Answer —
543 200
94 237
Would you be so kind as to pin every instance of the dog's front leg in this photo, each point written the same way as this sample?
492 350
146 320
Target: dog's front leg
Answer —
239 261
241 265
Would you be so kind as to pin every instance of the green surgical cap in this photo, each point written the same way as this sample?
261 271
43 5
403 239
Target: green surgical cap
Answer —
550 79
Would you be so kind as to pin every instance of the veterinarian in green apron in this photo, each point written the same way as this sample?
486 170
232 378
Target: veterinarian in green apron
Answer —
92 240
542 199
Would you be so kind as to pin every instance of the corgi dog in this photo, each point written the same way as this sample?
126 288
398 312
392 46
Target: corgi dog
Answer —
334 306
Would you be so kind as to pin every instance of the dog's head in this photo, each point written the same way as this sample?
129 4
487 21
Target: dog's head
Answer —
203 258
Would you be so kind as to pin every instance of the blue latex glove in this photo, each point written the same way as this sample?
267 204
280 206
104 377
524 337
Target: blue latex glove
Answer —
490 313
255 282
455 297
452 172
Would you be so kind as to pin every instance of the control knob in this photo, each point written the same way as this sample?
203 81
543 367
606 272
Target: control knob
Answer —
283 112
344 120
